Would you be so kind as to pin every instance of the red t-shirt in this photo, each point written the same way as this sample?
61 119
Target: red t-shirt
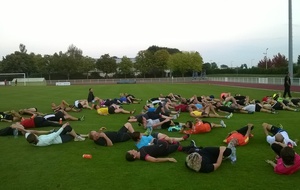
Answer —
280 168
182 107
242 140
28 123
199 127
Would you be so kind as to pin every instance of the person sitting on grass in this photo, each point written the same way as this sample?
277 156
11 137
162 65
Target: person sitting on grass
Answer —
91 99
200 126
145 139
152 153
288 161
241 135
63 135
209 159
108 138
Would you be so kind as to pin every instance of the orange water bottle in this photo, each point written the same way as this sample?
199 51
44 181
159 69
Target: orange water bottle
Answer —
87 156
60 121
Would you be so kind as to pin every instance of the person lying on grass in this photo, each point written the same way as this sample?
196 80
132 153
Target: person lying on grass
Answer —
63 135
63 115
200 126
206 112
152 153
30 111
10 130
10 116
242 135
145 139
277 134
111 110
209 159
108 138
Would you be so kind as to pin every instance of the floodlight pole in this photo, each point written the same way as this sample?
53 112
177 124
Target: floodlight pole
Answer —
290 40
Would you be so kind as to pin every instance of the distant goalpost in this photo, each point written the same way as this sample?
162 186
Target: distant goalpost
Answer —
9 78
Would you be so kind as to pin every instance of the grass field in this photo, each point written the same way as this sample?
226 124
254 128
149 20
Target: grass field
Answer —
62 167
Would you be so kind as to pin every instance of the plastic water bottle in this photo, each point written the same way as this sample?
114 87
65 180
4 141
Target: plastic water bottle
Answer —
16 133
233 155
60 121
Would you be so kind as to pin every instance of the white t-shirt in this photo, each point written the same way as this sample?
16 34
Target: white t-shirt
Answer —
151 122
46 140
250 108
286 140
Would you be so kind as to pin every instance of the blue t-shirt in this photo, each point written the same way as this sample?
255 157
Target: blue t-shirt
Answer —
145 140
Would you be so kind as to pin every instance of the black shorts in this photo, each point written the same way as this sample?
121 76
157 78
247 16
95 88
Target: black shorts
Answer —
111 110
277 106
257 108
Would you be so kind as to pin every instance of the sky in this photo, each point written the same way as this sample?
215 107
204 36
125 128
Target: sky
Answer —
229 32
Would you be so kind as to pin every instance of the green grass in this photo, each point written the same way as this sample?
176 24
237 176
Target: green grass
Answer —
62 166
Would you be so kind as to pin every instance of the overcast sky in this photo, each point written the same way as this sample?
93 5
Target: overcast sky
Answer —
230 32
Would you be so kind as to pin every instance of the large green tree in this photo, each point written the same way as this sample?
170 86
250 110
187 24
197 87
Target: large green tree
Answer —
86 65
144 61
161 58
19 62
125 66
185 62
106 64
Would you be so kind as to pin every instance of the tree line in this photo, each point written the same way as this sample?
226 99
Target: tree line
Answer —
152 62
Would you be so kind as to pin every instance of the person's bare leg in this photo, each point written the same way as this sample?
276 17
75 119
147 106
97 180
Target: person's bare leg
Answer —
129 127
69 117
64 103
249 129
213 109
214 125
119 110
289 108
215 116
267 128
265 110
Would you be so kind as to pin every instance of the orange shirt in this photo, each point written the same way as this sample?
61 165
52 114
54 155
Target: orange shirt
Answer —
242 140
199 127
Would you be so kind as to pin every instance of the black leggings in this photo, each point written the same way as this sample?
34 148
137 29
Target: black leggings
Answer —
65 137
276 148
244 130
42 122
212 152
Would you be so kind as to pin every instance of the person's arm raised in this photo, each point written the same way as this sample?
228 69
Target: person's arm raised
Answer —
108 141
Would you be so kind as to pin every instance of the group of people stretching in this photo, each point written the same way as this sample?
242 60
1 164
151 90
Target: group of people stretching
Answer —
156 146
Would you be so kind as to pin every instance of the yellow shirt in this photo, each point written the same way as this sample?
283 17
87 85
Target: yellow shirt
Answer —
102 111
197 113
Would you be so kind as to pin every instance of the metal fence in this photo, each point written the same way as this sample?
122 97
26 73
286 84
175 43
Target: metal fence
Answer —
255 80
